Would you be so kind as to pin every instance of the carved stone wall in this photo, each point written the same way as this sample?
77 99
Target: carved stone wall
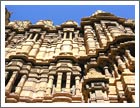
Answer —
90 63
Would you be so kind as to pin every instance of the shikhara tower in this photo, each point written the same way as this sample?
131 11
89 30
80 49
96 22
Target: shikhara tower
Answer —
90 63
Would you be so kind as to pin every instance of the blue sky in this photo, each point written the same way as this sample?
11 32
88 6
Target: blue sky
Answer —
61 13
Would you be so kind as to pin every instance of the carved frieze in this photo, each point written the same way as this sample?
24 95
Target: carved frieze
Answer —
90 63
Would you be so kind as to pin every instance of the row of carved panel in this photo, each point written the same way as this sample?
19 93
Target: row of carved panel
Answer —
59 78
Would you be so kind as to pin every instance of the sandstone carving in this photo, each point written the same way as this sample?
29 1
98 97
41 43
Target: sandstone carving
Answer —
90 63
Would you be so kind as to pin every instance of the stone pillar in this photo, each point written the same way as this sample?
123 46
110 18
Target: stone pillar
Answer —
30 36
59 81
77 80
130 57
129 60
50 85
70 34
109 37
20 84
107 73
121 64
68 82
90 42
65 35
11 82
35 37
116 70
126 61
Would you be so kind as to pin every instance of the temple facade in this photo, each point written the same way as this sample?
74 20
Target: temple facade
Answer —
90 63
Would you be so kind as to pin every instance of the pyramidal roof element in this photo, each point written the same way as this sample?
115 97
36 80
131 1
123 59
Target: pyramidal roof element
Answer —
101 13
70 22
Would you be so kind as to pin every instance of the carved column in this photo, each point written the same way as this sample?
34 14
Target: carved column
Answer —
35 38
65 34
106 32
70 34
126 61
77 80
129 61
50 85
11 82
68 82
109 37
107 73
90 42
121 64
116 70
20 84
130 57
30 36
59 81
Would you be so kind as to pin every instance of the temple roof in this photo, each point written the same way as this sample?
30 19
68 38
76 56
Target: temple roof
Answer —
101 13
